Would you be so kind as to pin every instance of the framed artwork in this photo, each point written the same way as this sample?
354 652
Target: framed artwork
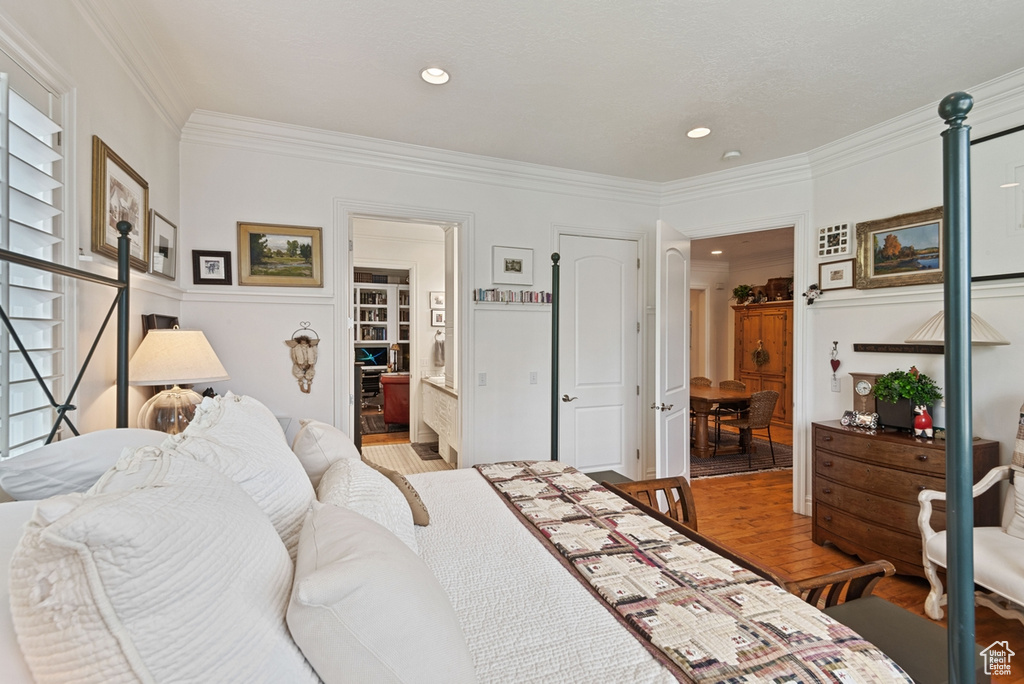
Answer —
279 256
834 240
163 240
118 194
211 268
835 275
437 300
437 318
902 250
512 266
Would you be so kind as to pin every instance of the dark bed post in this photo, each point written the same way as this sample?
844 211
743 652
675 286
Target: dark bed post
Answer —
554 356
956 264
123 271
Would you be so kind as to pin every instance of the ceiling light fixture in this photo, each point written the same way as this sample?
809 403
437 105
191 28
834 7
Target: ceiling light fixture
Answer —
698 132
731 154
1009 185
434 75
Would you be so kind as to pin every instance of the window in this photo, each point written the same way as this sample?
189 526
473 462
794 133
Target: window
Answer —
30 224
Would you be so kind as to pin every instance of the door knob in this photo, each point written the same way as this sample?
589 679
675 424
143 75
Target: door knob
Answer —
654 406
566 398
666 408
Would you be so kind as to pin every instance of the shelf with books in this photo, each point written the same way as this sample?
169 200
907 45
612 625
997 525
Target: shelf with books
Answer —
498 296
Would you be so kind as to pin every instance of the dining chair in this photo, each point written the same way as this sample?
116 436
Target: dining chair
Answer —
726 408
697 381
757 417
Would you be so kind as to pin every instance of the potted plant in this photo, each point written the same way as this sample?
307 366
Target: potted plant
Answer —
898 392
742 293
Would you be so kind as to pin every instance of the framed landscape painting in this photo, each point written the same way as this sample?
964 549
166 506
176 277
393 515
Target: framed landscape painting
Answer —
282 256
902 250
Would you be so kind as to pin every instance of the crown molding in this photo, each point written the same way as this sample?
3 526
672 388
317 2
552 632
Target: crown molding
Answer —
749 178
266 137
128 39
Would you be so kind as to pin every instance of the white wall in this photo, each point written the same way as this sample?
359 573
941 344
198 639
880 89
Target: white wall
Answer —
103 99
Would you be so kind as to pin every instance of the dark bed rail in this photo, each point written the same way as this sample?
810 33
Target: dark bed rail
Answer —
120 303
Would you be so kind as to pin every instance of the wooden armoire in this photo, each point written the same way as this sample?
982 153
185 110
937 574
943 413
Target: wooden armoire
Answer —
771 326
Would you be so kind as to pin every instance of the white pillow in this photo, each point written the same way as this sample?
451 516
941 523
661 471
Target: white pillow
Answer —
318 445
242 439
185 580
13 517
357 486
366 609
1015 525
70 465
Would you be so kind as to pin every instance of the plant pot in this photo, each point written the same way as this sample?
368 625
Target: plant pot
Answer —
899 415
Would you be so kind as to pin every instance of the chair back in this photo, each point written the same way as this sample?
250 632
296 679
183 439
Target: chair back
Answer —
733 385
700 381
762 406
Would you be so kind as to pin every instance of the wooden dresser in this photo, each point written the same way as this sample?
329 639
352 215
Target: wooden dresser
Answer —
866 486
771 324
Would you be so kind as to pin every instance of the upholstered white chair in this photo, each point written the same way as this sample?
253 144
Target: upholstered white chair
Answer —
998 554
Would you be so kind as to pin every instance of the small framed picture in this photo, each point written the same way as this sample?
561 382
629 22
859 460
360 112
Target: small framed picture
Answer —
512 266
836 275
834 240
163 240
437 300
437 318
211 268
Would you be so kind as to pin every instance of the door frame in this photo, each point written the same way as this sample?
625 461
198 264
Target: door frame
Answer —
803 260
345 211
645 317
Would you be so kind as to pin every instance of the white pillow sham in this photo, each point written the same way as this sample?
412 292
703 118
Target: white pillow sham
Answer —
364 608
318 445
184 580
239 437
70 465
357 486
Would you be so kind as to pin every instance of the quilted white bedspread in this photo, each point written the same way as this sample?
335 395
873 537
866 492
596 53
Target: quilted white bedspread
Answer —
525 618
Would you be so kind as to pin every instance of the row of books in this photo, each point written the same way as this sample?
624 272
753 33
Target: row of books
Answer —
516 296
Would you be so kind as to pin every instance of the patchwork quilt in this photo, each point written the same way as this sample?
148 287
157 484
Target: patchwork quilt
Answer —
704 617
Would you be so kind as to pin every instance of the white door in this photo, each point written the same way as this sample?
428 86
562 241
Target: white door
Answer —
599 355
671 353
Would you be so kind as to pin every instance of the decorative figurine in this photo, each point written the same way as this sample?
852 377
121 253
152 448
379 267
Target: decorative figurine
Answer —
304 355
922 422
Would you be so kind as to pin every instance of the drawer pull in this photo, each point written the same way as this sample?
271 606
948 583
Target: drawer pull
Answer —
826 438
922 457
828 518
921 488
827 464
827 490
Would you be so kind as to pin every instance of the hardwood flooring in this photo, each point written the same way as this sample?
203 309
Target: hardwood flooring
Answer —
754 515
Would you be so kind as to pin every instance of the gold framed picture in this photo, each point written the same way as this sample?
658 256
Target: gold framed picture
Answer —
279 256
118 194
902 250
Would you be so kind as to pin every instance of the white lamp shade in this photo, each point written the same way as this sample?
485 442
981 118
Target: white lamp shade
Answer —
933 331
175 357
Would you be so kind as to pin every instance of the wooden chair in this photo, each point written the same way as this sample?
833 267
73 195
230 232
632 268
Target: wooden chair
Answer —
726 409
758 417
675 492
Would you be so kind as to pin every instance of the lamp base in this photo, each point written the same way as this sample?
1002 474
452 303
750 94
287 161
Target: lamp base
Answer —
170 411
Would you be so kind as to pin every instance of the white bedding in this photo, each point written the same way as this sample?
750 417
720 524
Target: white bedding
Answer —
522 617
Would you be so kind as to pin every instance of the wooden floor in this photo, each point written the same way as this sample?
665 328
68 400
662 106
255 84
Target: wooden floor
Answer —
754 515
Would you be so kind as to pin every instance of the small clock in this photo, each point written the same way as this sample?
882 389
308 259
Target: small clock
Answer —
863 392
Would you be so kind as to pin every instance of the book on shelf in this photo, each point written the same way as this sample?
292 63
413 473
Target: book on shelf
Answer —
511 296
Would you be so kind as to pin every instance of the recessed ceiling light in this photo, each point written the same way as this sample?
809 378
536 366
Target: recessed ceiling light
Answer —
434 75
716 251
1009 185
698 132
731 154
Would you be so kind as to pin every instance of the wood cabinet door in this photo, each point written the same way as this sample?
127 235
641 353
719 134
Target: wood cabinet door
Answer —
777 383
775 338
748 332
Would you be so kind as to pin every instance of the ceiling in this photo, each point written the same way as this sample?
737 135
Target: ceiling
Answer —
605 86
744 249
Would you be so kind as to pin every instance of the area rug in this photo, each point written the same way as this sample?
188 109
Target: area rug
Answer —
427 452
734 464
373 424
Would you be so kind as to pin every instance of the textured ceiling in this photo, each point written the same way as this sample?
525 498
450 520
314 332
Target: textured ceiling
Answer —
607 86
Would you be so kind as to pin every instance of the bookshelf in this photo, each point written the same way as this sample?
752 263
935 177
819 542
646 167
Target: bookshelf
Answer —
381 315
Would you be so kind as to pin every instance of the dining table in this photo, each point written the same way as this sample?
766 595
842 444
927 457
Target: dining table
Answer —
703 401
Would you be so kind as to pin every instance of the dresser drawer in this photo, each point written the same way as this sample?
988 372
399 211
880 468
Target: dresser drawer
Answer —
868 540
873 506
902 452
882 480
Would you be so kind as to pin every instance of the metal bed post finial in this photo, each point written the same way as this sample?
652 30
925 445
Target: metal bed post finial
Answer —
554 356
956 265
124 230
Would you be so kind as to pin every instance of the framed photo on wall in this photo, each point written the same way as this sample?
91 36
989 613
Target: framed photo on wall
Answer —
163 239
437 318
835 275
211 268
437 300
118 194
902 250
279 256
512 266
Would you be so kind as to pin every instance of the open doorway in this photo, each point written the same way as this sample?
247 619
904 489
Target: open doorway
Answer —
764 261
404 313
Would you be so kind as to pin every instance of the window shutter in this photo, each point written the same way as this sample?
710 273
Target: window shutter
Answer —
30 223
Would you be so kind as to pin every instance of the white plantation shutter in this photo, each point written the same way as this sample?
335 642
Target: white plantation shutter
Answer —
30 224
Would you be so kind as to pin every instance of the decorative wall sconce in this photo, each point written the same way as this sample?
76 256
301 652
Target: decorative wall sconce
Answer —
304 354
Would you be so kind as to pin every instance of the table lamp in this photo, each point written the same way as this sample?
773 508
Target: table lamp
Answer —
173 357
